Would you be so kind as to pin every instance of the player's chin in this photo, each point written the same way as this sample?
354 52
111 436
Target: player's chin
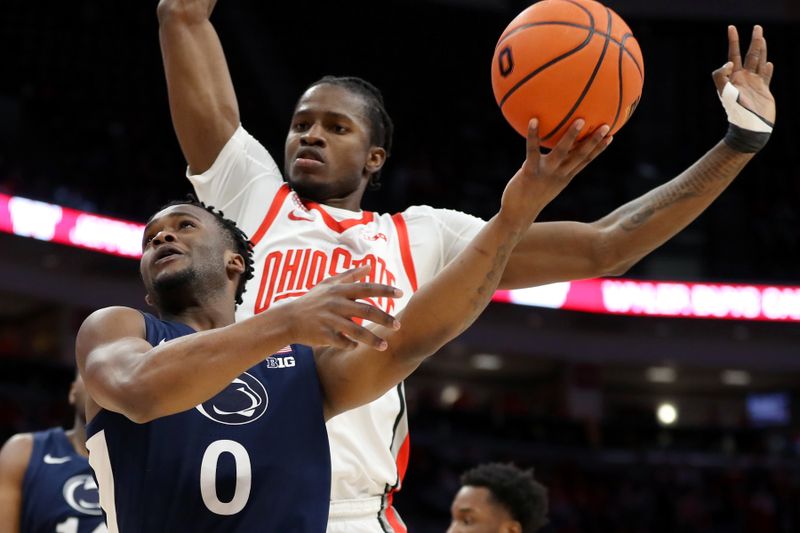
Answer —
312 186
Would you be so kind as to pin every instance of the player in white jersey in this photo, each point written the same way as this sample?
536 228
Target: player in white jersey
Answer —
313 227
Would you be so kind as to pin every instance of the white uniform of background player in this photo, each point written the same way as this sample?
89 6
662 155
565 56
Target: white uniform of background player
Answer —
297 244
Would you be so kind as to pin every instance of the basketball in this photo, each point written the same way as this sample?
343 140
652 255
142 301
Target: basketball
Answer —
560 60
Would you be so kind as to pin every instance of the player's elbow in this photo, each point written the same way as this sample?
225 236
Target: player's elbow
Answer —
182 11
128 397
609 258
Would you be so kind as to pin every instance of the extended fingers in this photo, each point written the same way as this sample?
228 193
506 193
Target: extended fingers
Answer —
564 146
373 314
734 51
532 144
756 49
352 331
348 276
361 291
590 148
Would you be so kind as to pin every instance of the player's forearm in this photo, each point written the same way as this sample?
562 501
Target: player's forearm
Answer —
180 374
202 100
644 224
450 302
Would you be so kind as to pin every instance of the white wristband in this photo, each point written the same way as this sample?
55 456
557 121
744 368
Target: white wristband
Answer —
740 116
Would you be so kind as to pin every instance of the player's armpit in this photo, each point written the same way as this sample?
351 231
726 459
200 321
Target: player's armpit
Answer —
14 458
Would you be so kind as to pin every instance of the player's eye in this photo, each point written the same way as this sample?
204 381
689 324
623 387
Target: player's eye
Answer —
300 126
338 128
186 224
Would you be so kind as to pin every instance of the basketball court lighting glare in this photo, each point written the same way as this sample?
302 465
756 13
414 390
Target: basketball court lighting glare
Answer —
486 361
450 395
661 374
667 414
739 378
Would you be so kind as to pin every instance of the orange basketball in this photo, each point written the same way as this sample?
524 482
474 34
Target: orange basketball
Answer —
560 60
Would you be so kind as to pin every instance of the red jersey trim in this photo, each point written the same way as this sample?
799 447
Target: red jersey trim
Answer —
335 225
272 212
405 249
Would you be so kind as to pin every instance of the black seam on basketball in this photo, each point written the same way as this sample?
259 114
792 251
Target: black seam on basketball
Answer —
530 75
619 74
588 84
571 25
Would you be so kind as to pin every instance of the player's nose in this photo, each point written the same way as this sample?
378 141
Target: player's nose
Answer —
163 236
313 136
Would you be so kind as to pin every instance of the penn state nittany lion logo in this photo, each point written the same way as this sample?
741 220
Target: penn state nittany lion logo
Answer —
242 402
80 493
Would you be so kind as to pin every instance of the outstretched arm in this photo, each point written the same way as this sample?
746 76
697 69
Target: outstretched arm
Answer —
202 101
449 303
561 251
126 374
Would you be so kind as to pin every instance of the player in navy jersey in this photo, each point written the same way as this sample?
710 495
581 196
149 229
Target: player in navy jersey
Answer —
46 485
197 423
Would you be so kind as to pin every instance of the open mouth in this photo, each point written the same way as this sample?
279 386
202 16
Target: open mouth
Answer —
166 254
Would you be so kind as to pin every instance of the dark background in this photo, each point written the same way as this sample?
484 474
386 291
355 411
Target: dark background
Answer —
84 123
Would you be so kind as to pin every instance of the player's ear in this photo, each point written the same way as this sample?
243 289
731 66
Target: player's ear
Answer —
234 263
375 160
511 526
148 300
73 399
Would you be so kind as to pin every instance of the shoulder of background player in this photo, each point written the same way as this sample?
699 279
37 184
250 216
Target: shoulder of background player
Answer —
14 458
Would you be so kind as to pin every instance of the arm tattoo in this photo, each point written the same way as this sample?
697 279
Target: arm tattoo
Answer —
709 175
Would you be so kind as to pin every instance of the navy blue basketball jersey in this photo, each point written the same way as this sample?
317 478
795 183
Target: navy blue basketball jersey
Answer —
59 494
254 458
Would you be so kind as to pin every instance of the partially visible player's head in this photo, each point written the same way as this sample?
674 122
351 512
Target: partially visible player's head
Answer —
338 140
190 251
498 498
77 398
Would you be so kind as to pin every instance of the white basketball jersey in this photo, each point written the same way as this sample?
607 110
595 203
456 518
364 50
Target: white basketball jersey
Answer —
299 243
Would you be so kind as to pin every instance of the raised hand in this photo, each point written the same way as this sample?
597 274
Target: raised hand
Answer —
324 316
543 176
751 77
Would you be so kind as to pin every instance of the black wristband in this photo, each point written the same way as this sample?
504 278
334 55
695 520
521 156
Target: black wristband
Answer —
745 141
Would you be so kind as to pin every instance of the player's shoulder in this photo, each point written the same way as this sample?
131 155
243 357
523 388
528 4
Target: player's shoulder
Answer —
16 453
419 212
427 213
113 315
109 322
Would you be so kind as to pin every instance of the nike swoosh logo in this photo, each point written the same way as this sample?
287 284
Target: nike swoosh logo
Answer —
162 342
292 216
49 459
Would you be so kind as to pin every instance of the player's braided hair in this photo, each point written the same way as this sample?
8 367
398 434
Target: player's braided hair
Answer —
515 489
236 237
381 125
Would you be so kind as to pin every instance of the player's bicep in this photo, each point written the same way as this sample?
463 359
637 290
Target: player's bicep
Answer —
108 348
14 458
551 252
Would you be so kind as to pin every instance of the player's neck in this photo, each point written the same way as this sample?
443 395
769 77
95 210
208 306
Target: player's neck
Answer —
204 316
77 436
349 203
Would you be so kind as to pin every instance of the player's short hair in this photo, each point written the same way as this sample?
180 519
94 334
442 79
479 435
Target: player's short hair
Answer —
381 125
515 489
236 238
